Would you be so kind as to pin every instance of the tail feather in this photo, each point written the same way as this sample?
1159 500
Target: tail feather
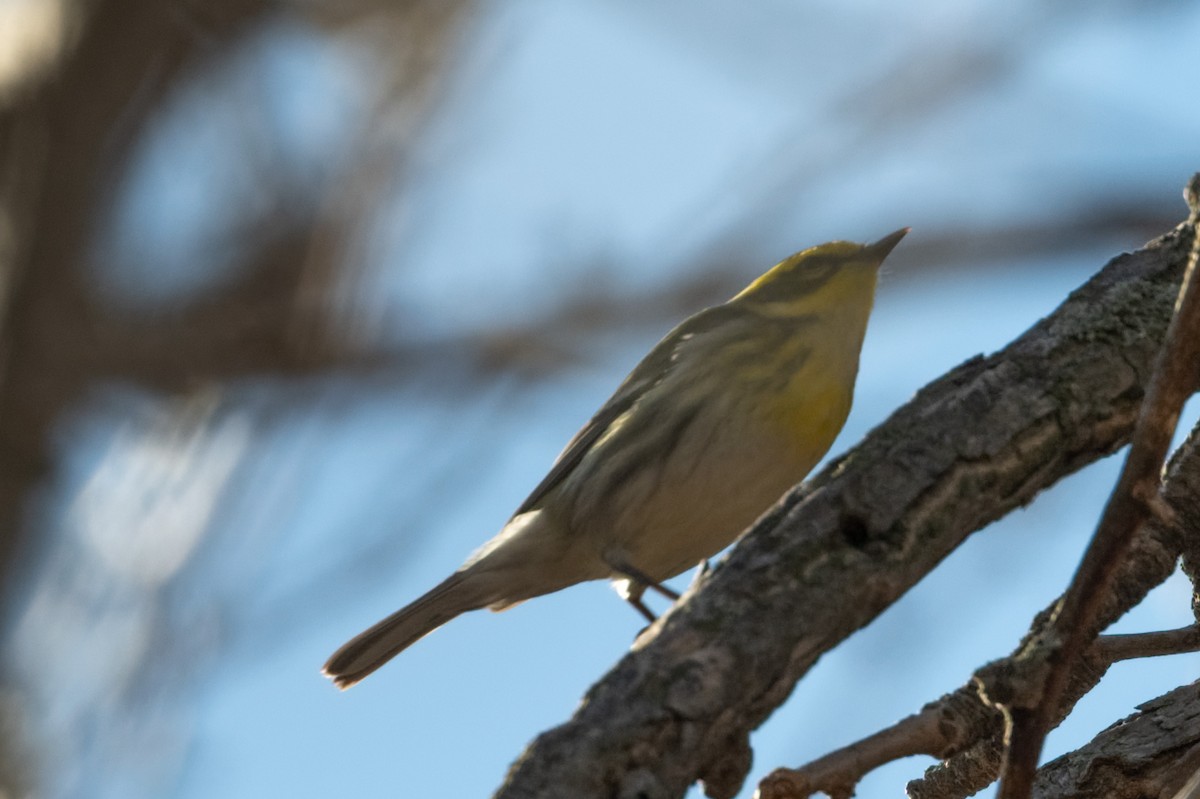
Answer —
372 648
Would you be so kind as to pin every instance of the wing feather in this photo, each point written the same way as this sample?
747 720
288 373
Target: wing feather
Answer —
647 374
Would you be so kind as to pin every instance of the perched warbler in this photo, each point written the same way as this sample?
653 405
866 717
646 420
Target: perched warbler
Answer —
727 412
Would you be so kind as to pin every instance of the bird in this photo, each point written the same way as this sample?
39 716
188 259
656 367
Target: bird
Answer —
730 409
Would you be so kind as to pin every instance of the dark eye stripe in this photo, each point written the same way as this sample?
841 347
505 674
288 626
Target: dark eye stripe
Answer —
805 278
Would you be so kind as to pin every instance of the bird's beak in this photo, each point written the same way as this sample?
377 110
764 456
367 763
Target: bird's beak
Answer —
884 246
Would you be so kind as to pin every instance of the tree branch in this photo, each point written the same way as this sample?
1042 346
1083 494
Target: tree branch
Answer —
976 762
965 730
940 728
1133 502
970 447
1111 649
1153 752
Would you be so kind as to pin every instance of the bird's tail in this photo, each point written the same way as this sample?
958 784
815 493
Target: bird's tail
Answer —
372 648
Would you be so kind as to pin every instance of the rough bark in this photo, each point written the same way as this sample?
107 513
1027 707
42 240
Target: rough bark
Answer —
1149 754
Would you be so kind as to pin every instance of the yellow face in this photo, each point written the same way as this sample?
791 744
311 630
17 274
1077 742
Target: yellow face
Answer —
816 281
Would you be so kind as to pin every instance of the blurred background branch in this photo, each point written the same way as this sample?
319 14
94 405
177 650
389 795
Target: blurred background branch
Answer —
91 92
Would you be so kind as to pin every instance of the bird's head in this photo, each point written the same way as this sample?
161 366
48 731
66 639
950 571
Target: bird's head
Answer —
837 274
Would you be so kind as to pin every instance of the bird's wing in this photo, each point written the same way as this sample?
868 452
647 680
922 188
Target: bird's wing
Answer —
648 373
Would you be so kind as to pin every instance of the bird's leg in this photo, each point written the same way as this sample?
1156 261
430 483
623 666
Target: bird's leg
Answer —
641 607
669 593
631 591
636 575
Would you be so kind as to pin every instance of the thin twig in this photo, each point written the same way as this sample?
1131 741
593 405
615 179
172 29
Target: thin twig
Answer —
1114 648
838 772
